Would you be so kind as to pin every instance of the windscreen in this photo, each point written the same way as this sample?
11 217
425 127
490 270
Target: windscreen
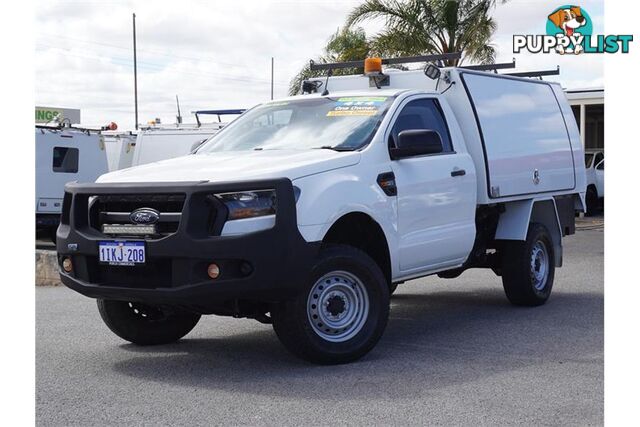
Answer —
341 123
588 158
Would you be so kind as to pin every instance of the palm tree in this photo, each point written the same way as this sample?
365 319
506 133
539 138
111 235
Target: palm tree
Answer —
347 44
418 27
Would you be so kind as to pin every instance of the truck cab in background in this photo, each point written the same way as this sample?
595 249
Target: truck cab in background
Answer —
594 167
64 154
161 142
307 212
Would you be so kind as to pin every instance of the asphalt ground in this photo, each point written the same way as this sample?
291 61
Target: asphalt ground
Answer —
454 353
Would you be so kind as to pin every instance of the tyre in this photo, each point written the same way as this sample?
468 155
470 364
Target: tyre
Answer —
144 324
528 267
591 201
341 311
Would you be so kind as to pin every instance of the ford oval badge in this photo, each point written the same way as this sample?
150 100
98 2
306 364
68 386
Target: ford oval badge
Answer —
144 216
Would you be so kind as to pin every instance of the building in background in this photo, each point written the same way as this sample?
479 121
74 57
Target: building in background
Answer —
588 109
48 114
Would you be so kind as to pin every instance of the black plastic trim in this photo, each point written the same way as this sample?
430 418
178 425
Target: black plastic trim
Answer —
279 259
385 61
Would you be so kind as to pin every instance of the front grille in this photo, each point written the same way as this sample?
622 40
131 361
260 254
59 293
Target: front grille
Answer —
115 209
131 202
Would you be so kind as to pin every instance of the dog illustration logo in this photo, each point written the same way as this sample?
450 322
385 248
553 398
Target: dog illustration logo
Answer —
569 21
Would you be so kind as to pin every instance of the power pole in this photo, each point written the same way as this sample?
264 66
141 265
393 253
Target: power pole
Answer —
272 77
135 69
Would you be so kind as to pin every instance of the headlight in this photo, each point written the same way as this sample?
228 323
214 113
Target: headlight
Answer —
249 204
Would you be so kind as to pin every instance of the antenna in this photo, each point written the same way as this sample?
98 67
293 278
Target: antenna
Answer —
325 92
179 116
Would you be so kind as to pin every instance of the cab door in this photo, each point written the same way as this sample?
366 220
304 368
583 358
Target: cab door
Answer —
436 193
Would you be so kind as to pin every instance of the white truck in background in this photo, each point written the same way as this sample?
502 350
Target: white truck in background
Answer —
64 154
119 147
161 142
307 212
594 166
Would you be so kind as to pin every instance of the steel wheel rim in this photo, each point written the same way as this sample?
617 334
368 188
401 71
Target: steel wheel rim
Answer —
539 265
337 306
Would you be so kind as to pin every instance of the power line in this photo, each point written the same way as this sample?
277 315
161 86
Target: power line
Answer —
155 67
152 51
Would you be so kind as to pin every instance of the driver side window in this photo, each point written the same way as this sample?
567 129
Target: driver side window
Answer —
422 114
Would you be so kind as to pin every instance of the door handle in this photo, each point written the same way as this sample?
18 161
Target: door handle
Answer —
458 172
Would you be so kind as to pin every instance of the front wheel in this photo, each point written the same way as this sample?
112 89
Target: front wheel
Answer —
144 324
528 267
341 312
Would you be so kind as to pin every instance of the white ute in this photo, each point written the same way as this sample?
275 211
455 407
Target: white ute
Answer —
321 204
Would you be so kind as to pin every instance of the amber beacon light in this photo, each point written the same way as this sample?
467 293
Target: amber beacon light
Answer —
372 65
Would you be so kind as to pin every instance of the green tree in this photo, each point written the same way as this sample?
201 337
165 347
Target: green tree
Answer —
346 44
419 27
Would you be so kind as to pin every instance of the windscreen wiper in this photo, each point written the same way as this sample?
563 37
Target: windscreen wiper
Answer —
329 147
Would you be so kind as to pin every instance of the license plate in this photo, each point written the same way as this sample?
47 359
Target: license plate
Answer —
122 253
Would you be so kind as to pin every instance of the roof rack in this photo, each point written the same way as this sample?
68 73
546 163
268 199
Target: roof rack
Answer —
538 74
67 125
218 113
385 61
491 67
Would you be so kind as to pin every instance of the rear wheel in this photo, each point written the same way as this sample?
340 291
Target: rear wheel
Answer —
145 324
341 312
528 267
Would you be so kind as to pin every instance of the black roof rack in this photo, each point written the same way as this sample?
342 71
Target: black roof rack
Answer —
65 125
217 113
491 67
385 61
539 74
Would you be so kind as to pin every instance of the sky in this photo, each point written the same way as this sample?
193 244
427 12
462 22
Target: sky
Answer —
217 53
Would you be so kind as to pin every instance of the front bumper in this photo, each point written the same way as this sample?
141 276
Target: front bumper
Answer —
262 266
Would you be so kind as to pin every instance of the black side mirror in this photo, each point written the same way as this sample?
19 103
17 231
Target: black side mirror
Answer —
416 142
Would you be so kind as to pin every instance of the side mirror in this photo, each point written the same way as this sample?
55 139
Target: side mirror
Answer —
416 142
